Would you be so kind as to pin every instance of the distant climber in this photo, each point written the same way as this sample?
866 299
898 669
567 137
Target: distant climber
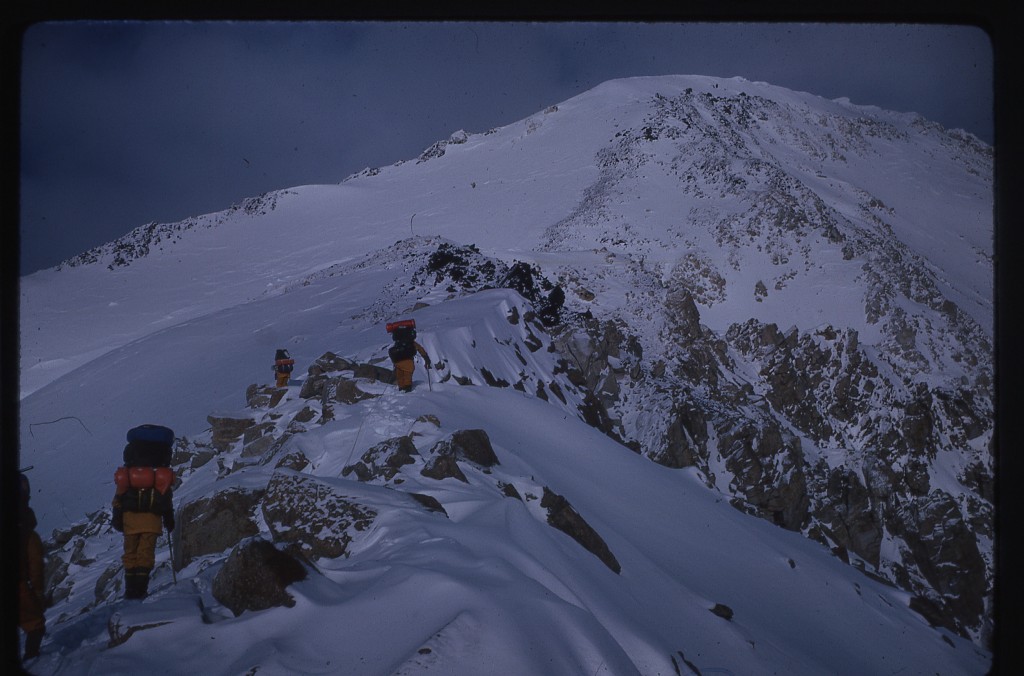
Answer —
404 350
143 502
283 366
31 597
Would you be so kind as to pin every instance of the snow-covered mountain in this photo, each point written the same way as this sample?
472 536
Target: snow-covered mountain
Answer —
732 341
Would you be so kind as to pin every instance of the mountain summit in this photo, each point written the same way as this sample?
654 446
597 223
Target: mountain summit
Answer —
712 389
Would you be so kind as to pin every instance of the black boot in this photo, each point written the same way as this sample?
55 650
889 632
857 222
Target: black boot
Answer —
129 584
135 582
33 640
143 583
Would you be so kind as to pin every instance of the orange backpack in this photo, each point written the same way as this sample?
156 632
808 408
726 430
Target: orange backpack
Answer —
159 478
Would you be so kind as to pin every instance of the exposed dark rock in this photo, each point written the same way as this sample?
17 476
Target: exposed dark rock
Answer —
348 391
264 396
383 460
255 577
474 446
342 388
918 423
683 315
685 439
190 456
562 516
443 466
510 491
945 551
261 447
329 363
848 511
313 386
259 440
768 468
546 298
596 415
492 380
214 524
295 461
311 518
227 429
430 502
372 372
459 268
469 445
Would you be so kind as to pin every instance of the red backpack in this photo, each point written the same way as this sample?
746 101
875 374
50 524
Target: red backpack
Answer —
159 478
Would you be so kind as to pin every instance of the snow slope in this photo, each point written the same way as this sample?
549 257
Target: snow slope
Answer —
492 589
173 322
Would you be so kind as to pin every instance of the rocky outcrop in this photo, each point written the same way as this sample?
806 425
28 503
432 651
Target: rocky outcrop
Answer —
755 409
942 549
332 378
214 524
767 466
228 428
473 446
255 576
310 518
443 464
562 516
383 460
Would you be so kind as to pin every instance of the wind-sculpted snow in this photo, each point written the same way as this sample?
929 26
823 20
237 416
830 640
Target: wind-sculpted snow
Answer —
408 571
745 333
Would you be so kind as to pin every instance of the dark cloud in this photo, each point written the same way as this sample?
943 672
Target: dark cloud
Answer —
128 123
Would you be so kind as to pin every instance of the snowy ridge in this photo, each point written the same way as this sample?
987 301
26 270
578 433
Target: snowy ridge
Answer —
482 584
723 299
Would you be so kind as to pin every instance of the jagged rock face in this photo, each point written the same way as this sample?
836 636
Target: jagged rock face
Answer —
847 514
311 518
945 554
255 577
65 549
813 380
530 283
755 408
824 387
686 438
768 470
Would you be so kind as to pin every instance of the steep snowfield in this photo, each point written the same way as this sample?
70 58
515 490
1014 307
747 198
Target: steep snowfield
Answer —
492 589
616 194
507 190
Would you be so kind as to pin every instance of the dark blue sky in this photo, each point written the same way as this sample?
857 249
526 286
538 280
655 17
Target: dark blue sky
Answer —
125 123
